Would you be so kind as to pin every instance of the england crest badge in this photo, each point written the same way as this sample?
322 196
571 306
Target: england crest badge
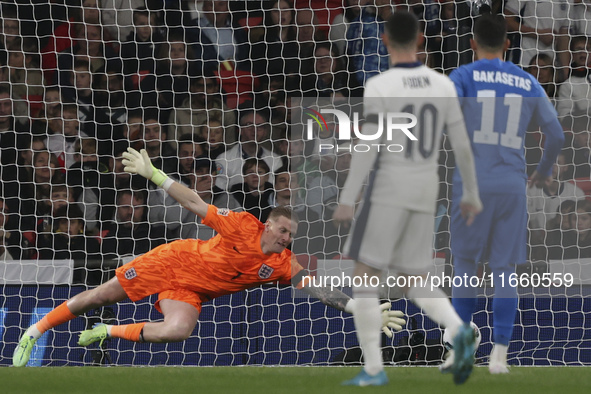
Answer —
265 271
223 211
130 273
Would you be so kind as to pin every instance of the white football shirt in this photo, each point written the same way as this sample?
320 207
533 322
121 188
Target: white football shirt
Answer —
409 178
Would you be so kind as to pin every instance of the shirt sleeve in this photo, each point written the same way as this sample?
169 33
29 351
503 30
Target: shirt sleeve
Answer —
298 273
460 142
456 78
361 162
226 222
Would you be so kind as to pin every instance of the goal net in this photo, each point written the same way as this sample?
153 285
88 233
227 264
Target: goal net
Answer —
217 93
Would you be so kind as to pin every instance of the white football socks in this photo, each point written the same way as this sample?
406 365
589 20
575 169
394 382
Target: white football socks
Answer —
437 306
498 360
368 321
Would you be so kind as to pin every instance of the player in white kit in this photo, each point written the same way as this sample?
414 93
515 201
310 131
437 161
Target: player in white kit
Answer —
394 227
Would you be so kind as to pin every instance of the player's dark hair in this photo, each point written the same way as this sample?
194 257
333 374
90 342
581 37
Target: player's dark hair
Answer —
402 29
284 210
490 31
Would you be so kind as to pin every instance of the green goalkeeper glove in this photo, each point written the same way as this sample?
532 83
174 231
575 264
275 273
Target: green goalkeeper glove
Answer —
139 163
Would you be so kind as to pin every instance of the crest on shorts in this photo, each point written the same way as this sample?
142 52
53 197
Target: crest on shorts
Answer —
223 211
265 271
130 273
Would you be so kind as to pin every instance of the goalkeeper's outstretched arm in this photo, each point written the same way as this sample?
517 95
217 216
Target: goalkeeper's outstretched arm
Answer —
139 163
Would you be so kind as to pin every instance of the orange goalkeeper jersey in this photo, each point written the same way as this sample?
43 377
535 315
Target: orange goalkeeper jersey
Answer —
227 263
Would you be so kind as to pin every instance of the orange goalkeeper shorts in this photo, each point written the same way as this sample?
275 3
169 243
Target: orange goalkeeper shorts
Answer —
151 274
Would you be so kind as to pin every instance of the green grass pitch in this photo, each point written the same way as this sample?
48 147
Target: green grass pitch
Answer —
262 380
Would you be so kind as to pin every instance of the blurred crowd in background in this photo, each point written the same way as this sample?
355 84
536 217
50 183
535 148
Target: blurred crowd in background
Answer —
211 90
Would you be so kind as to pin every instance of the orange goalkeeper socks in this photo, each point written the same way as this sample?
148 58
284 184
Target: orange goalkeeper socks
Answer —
59 315
131 332
62 314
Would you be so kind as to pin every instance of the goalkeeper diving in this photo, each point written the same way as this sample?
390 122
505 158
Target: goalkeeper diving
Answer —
245 253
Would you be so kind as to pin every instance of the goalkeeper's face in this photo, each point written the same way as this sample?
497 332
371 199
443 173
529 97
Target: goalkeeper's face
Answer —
277 234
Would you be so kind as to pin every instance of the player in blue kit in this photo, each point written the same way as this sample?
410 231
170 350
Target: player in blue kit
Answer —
499 100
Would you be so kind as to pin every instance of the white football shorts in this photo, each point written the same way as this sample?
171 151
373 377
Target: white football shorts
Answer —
386 237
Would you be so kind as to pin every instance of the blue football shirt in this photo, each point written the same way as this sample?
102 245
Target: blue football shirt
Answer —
500 102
